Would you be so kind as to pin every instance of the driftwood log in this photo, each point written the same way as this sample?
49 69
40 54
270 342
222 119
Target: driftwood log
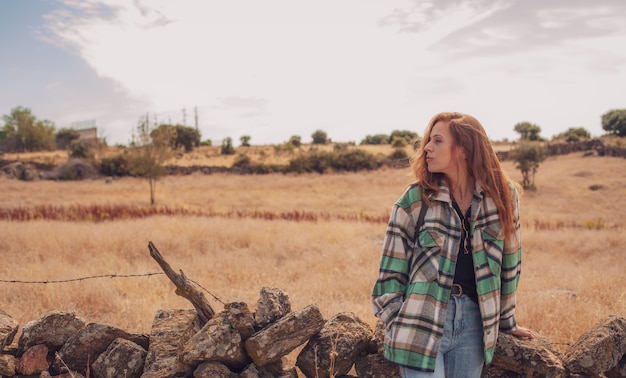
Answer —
184 287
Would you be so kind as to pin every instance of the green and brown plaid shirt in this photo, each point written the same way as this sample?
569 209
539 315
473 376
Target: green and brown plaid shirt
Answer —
416 272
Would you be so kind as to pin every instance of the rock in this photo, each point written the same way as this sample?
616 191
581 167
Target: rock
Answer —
213 369
524 357
21 171
171 329
619 370
273 304
86 345
598 350
375 366
8 329
271 370
123 358
7 365
336 347
278 339
52 330
33 361
217 341
241 318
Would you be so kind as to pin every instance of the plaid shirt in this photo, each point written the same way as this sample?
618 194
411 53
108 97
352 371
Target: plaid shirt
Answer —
416 272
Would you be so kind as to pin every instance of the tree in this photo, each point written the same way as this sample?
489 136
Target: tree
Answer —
614 121
245 140
319 137
147 154
65 137
24 132
227 147
178 136
376 139
528 155
408 135
574 134
295 141
187 137
528 131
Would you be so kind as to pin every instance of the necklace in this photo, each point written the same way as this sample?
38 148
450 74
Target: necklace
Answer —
466 236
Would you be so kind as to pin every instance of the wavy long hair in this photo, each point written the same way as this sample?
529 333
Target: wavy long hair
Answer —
483 165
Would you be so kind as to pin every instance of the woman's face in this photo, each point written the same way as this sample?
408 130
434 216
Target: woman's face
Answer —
441 156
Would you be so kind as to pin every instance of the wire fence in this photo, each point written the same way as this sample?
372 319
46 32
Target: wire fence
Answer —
114 275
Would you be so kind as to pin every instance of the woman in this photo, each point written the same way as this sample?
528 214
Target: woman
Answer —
447 284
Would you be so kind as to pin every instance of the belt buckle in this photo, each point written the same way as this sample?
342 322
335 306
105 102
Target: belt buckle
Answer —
460 291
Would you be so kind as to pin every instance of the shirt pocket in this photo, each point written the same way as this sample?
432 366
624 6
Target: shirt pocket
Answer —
425 261
494 247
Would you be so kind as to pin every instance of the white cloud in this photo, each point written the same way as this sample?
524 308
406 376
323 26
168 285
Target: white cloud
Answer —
350 67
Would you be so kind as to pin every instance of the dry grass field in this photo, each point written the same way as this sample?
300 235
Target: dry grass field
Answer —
574 240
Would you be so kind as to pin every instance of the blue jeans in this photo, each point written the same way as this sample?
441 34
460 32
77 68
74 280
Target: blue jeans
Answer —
461 354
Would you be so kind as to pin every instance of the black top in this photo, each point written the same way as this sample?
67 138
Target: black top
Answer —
464 274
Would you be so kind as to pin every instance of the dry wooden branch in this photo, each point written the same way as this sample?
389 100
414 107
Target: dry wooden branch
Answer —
184 287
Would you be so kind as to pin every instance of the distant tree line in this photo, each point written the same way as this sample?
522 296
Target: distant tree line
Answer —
154 144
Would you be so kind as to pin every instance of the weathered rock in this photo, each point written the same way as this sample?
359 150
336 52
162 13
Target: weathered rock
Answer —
216 341
46 374
336 347
52 330
619 370
170 331
7 365
213 369
241 318
273 304
271 370
525 357
123 358
86 345
8 329
374 363
375 366
277 340
21 171
33 361
599 349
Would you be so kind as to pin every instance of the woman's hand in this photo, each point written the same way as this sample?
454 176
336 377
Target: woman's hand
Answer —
524 332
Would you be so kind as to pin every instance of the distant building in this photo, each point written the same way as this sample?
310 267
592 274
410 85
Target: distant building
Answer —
87 131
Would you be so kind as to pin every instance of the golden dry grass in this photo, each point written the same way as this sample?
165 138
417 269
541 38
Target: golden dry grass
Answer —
572 276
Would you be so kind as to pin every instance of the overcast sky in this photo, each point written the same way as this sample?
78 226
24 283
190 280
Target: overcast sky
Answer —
271 69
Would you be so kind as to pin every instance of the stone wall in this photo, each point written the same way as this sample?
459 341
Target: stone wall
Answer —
593 147
237 342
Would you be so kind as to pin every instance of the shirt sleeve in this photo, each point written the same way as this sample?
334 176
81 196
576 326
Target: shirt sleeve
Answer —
510 273
399 241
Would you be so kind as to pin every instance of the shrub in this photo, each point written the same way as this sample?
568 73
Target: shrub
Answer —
342 160
376 139
295 141
114 166
354 160
398 142
398 153
75 169
79 149
227 147
241 161
319 137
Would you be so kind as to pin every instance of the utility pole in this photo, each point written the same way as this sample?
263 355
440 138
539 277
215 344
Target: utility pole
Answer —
195 109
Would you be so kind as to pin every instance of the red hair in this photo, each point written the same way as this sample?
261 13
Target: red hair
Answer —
482 164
